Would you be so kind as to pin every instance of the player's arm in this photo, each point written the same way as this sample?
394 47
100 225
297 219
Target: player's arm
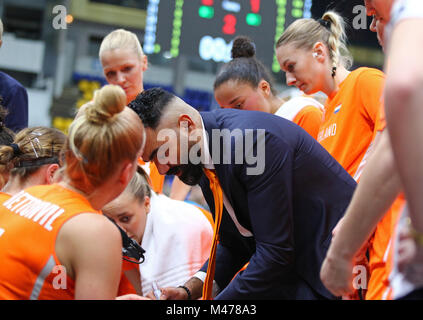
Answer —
377 190
404 110
90 247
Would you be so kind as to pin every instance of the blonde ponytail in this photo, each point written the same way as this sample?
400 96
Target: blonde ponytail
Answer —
139 186
337 40
107 102
305 33
104 135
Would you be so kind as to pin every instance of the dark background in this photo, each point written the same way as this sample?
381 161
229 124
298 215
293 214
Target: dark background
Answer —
194 28
362 38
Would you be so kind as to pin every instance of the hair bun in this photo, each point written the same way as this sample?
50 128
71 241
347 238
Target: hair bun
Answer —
243 47
108 101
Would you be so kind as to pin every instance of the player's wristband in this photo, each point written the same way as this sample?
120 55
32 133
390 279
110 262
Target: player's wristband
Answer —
187 291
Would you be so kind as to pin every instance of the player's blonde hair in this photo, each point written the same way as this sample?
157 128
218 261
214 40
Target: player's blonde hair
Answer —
101 138
121 39
330 30
139 187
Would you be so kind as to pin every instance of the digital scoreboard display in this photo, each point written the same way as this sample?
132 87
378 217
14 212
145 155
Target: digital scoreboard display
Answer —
206 28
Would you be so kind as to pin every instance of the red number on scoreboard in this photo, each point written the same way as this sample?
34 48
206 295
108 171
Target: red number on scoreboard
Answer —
230 24
255 6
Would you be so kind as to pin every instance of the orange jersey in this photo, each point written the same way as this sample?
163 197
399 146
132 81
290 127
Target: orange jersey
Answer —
303 111
381 244
125 286
310 119
382 119
381 253
352 119
156 179
4 196
30 222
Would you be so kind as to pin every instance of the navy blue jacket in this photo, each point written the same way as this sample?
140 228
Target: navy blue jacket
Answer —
15 100
290 208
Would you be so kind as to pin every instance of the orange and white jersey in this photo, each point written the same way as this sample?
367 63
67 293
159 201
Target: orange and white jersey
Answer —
29 224
381 253
381 245
303 111
352 119
156 179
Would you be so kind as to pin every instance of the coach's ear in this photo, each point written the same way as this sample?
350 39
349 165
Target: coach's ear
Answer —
185 121
187 125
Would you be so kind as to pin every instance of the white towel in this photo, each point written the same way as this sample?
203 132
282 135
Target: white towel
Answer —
177 240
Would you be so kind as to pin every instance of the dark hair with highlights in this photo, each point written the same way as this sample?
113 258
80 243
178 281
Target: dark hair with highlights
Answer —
244 66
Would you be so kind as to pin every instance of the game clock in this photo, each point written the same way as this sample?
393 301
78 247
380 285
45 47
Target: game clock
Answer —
206 28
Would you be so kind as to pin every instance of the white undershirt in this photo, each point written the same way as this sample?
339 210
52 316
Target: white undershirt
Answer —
243 231
209 165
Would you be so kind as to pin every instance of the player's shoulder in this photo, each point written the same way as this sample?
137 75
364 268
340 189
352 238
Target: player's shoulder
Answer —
365 78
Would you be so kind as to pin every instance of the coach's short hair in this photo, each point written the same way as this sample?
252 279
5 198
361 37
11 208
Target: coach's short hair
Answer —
150 104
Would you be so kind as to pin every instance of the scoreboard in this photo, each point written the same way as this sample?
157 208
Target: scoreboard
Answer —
206 28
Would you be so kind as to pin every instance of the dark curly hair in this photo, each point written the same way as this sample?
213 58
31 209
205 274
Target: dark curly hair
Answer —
244 66
149 106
